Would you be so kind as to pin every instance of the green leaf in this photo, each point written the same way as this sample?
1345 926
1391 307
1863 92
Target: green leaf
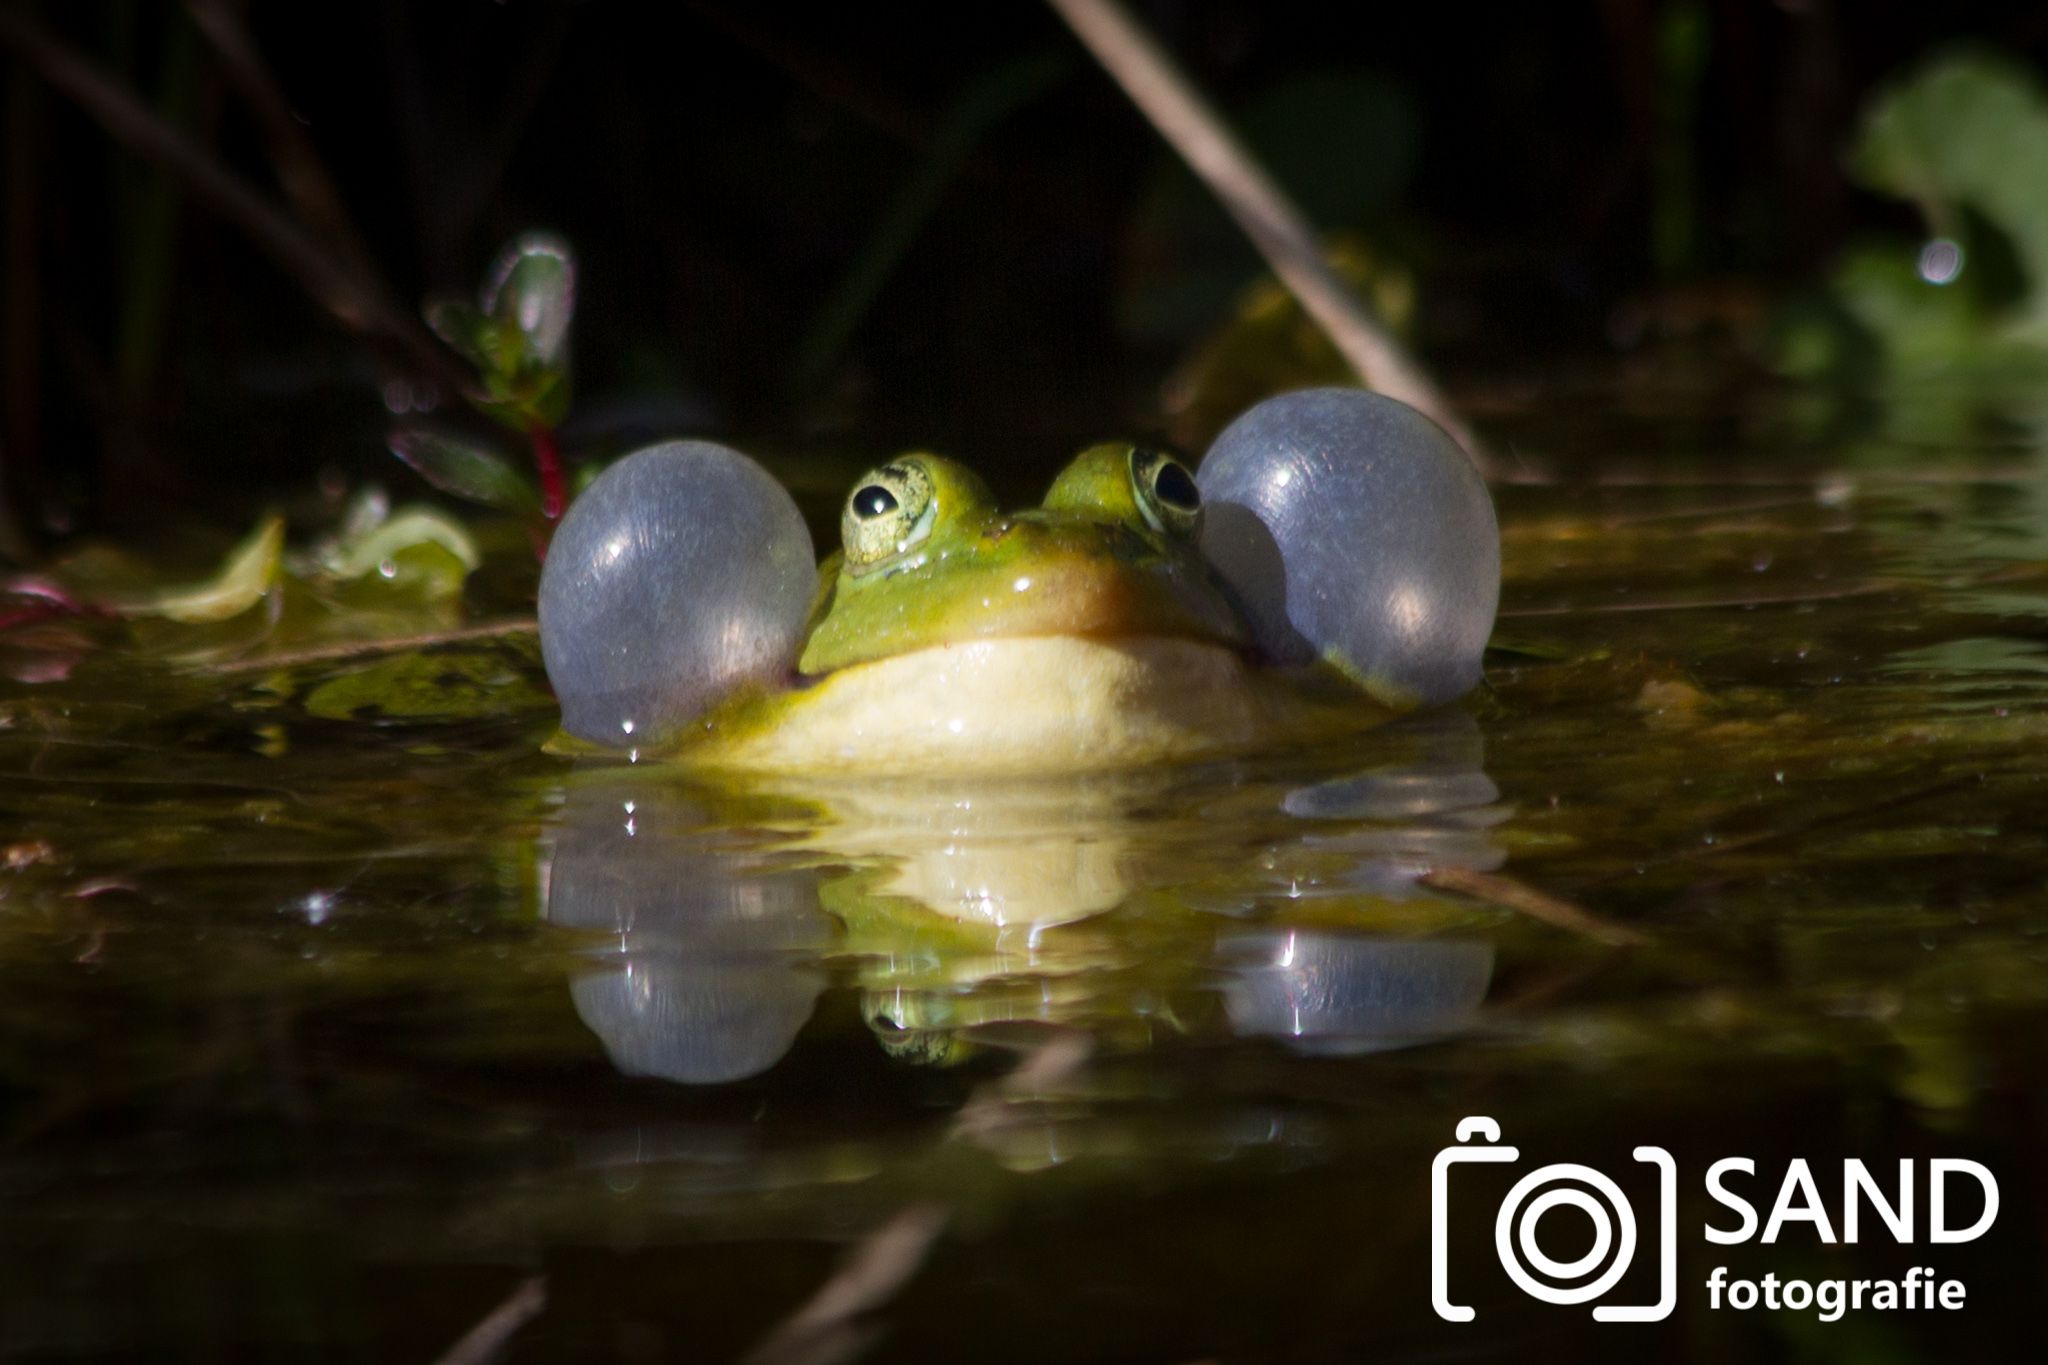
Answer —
466 330
399 543
248 573
464 469
531 295
1968 129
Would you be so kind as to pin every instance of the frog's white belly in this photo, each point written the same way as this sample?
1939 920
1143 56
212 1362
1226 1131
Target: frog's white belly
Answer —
1016 705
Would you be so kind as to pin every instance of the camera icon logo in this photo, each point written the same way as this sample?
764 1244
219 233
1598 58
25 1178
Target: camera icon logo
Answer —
1514 1229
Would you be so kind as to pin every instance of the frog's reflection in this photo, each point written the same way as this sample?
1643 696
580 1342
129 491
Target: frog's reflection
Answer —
1328 992
713 970
960 908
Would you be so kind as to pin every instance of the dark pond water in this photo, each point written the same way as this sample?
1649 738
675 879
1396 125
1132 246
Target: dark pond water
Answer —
324 1036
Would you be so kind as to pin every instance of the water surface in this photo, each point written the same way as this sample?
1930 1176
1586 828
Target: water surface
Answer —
325 1034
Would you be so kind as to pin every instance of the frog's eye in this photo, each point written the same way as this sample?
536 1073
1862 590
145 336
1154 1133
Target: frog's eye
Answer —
890 513
1165 492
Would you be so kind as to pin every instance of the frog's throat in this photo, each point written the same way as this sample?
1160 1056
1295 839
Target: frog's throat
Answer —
1019 704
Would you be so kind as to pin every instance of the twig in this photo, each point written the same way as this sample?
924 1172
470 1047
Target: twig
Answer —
823 1330
306 183
358 301
992 1107
1539 905
390 644
1720 848
1273 222
1791 599
21 362
487 1340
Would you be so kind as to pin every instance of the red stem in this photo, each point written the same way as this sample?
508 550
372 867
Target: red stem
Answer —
548 460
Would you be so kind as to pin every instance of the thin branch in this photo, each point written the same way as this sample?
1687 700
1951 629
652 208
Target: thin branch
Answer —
390 644
1538 905
995 1105
307 185
824 1331
1762 599
486 1341
358 301
1273 222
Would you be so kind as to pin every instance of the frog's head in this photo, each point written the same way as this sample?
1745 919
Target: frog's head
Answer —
927 560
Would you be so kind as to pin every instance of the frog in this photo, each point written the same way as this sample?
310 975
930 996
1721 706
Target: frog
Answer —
1126 619
1087 631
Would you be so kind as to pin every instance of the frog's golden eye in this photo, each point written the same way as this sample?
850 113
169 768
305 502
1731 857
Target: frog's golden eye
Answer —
890 513
1165 492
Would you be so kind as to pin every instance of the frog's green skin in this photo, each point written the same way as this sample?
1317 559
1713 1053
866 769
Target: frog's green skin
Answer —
1088 632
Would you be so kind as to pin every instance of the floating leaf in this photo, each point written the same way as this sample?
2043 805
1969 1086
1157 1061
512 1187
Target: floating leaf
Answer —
424 547
443 685
464 469
249 572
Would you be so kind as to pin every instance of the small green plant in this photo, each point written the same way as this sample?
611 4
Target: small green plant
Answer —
516 336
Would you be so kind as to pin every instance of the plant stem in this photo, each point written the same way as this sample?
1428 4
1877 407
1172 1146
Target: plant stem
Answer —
307 185
547 459
1277 228
355 298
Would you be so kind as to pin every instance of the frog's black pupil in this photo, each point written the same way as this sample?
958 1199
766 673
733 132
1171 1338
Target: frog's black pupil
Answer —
1175 487
874 500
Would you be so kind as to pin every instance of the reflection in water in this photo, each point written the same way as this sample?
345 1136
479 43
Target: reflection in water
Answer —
958 908
1427 805
1340 993
711 977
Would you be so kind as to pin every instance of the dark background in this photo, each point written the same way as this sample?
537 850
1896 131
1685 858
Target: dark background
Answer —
1552 174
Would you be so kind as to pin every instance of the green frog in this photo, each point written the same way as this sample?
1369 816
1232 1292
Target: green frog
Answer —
1337 562
1085 632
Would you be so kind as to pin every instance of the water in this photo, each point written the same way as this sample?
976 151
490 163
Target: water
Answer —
325 1034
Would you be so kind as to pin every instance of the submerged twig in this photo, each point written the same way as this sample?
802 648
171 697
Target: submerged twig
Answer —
992 1107
356 299
1783 599
486 1341
1525 899
1273 222
824 1331
390 644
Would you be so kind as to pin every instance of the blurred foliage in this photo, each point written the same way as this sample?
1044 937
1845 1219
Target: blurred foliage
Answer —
1960 139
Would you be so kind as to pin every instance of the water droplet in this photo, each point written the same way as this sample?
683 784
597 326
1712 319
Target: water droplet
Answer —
1941 260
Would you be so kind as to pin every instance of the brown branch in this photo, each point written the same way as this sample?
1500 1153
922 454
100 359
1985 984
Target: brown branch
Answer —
1276 226
390 644
486 1341
307 185
824 1331
1525 899
357 300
